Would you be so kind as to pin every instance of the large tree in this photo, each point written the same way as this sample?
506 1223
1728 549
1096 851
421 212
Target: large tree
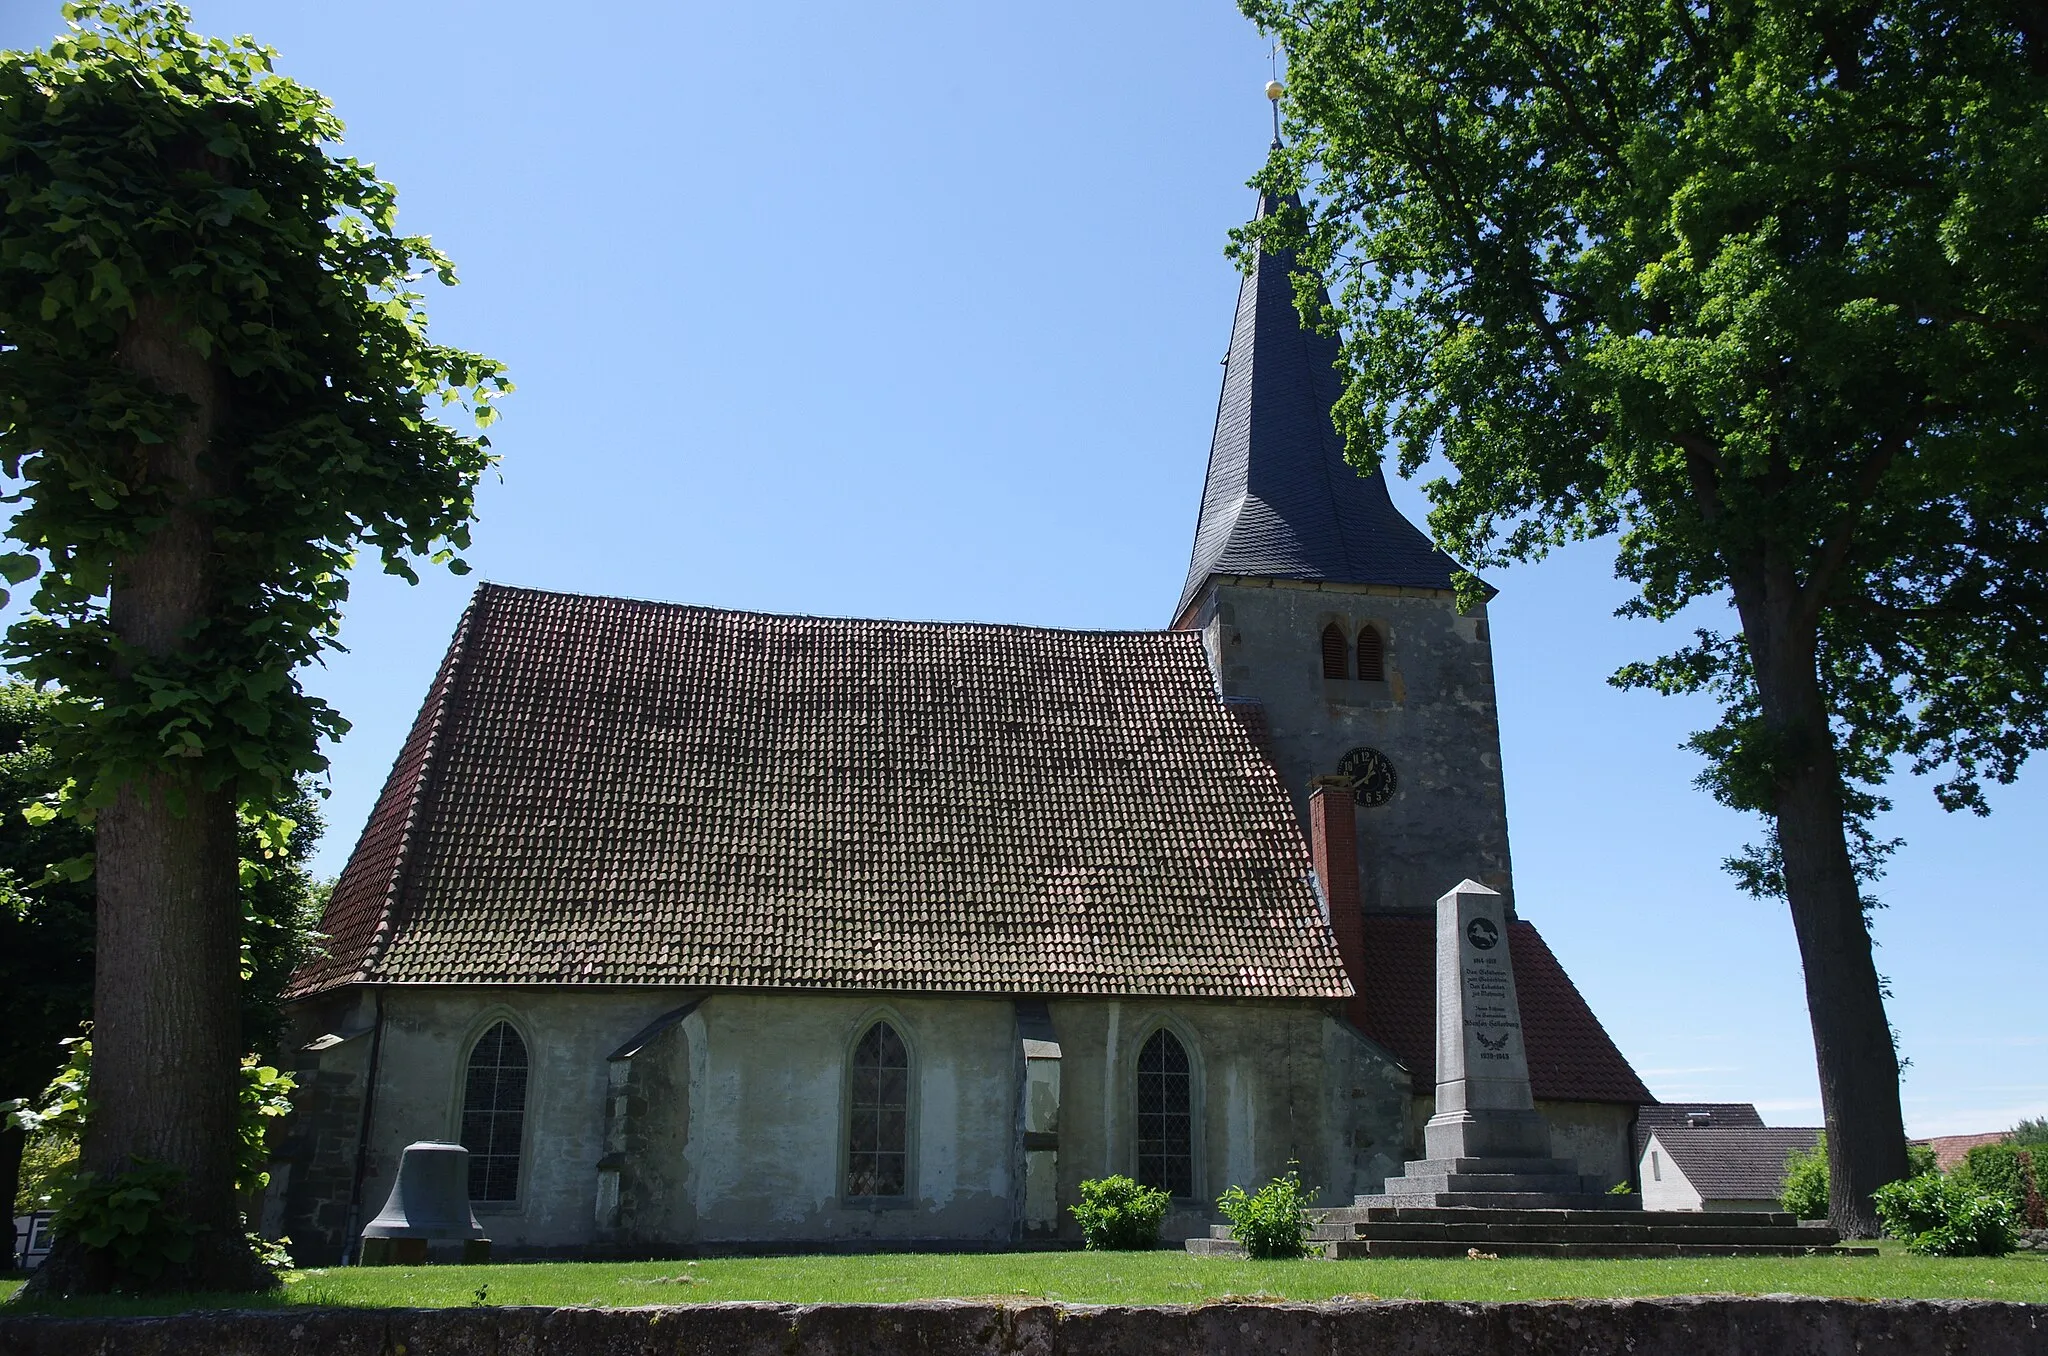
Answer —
1760 289
215 386
46 913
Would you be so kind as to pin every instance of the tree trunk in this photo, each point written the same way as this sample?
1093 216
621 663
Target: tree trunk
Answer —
166 985
1852 1044
12 1143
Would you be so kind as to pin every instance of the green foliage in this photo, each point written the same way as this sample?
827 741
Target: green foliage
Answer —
1920 1159
266 1095
1938 1216
1760 288
51 1127
46 930
1273 1222
1805 1192
2029 1133
2006 1172
55 1124
272 1254
46 918
128 1215
1622 1188
147 170
1118 1215
45 1160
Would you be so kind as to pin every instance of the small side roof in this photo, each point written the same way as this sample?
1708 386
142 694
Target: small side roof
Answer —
1684 1115
1735 1165
1571 1056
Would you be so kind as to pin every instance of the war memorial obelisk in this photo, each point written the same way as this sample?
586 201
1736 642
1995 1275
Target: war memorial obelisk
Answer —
1488 1145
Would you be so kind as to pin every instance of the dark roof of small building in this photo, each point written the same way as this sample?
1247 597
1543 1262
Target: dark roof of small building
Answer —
1746 1164
1571 1056
1280 501
1682 1115
605 791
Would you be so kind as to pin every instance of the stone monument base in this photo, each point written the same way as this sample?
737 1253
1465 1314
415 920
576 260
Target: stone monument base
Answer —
1520 1134
1497 1183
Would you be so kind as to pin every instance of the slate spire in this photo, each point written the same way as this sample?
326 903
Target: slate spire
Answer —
1280 501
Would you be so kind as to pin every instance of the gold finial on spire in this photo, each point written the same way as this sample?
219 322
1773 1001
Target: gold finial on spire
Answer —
1274 89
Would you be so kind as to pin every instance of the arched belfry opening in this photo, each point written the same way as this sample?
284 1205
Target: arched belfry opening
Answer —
1335 650
1372 655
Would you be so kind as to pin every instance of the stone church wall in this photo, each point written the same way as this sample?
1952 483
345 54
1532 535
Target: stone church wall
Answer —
652 1129
1433 716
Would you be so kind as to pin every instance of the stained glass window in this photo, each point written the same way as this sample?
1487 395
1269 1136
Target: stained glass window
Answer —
878 1134
494 1114
1166 1147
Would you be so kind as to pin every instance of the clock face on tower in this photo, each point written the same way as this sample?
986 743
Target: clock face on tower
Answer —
1372 776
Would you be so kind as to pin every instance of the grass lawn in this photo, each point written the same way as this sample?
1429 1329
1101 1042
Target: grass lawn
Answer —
1120 1278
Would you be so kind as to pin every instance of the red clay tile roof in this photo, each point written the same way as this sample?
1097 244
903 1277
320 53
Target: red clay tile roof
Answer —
1571 1058
359 906
604 791
1950 1150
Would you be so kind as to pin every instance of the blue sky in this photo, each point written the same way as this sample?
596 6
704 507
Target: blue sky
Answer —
915 310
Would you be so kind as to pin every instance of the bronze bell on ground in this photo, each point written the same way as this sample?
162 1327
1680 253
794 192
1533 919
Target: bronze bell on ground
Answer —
428 1216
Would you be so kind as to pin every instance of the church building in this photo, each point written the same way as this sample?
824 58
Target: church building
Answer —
707 929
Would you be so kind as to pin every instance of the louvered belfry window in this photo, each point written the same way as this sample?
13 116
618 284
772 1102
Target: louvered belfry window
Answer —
878 1134
1334 652
1166 1122
494 1114
1372 655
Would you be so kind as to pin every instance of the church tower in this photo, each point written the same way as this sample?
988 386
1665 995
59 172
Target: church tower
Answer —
1332 617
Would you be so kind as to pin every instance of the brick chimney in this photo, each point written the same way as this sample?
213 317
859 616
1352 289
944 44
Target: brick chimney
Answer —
1333 845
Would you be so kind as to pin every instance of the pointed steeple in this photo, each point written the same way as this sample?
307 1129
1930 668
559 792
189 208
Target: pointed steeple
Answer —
1280 501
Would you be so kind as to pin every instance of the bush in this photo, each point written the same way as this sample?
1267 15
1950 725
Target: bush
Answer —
1920 1160
1805 1193
1940 1216
1118 1215
1275 1221
2005 1172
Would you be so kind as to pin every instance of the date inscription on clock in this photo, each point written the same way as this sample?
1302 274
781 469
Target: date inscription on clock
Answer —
1372 776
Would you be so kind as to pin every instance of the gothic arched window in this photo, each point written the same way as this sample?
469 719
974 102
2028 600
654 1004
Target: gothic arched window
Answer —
494 1113
878 1129
1166 1121
1372 655
1335 652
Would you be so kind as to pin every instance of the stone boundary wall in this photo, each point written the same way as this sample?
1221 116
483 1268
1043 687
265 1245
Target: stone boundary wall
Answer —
1707 1326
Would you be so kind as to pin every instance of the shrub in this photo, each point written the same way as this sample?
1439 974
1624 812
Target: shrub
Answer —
1622 1188
1118 1215
128 1217
1273 1222
1940 1216
2007 1173
1805 1193
2034 1207
1920 1160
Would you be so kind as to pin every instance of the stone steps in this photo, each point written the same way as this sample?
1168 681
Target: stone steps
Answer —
1481 1233
1490 1200
1420 1248
1775 1219
1351 1249
1374 1231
